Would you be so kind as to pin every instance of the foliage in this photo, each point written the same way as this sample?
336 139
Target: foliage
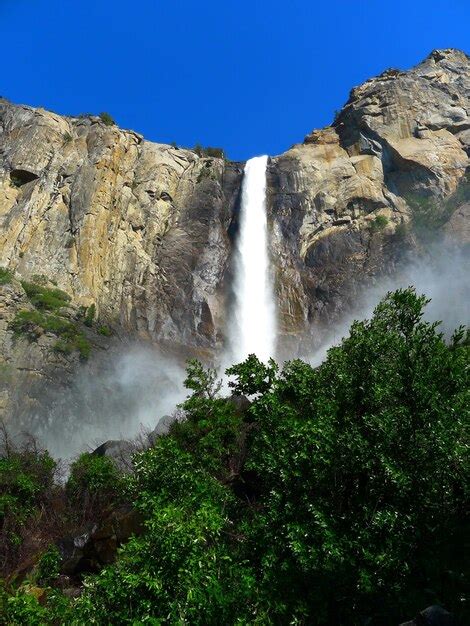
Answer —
107 119
33 606
378 223
5 276
32 324
206 173
26 480
429 214
44 298
212 428
360 467
337 496
90 315
253 377
48 568
209 151
184 569
47 318
94 481
105 331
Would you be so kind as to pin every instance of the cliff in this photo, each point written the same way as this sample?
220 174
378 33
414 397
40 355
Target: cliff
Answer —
142 231
402 136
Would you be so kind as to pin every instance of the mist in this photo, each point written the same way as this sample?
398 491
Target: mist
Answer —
128 390
442 275
116 396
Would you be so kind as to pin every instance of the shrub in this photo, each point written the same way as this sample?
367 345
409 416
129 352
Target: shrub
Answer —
212 429
24 476
33 606
429 214
215 152
76 342
44 298
209 151
32 324
378 223
40 279
26 484
337 496
90 315
94 481
105 331
107 119
48 567
184 569
28 323
359 470
6 276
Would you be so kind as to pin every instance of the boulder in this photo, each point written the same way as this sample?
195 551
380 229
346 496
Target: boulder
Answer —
97 547
162 428
433 615
120 451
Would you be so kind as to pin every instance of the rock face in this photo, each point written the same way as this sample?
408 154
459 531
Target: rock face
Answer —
139 229
400 135
143 231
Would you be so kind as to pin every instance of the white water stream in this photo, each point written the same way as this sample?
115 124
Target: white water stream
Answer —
253 328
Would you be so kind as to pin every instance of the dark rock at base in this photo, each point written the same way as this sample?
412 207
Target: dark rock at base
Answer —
102 545
240 403
433 615
120 451
162 428
90 552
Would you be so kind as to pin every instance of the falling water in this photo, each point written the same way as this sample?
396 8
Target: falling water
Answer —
253 328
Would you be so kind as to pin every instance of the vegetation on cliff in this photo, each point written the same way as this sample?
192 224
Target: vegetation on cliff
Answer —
336 495
48 317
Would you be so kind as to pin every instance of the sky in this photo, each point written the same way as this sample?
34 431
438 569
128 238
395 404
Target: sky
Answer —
251 77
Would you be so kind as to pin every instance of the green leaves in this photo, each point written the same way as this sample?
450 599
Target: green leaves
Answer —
253 376
336 496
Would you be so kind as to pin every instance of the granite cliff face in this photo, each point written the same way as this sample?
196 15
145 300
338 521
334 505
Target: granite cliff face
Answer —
400 136
142 231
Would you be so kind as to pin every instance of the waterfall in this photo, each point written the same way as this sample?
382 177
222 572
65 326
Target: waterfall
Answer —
253 327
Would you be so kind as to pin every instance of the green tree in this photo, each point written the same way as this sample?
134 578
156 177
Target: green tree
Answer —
361 473
185 567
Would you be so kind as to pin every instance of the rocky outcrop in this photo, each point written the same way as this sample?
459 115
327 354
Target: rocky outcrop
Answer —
139 229
400 135
142 231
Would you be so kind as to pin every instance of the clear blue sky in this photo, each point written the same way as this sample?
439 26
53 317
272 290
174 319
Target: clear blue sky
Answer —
253 77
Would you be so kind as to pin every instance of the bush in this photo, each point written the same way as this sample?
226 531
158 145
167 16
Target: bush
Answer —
48 568
33 606
184 569
209 151
107 119
105 331
32 324
26 484
429 214
336 496
378 223
44 298
90 315
359 471
6 276
94 481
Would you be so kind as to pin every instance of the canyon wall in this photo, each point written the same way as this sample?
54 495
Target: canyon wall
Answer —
144 231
